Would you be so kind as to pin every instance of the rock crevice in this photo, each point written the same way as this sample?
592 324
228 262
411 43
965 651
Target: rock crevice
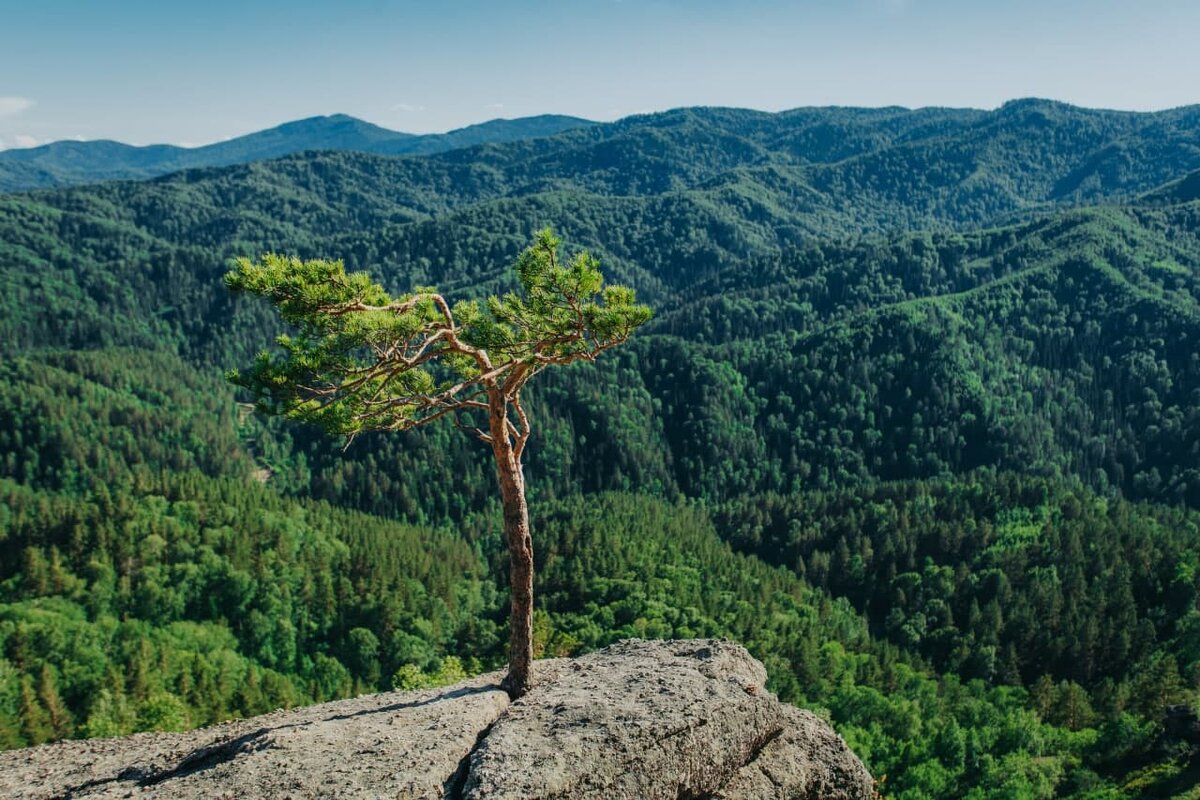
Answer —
639 719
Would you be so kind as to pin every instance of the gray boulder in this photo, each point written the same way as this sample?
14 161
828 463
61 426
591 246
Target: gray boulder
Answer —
639 719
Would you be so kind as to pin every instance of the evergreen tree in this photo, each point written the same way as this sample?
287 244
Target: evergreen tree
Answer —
364 361
35 722
56 710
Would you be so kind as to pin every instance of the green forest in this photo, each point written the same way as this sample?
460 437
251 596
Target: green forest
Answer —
917 421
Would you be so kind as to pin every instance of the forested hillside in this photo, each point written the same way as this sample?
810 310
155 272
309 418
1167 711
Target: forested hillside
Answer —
917 420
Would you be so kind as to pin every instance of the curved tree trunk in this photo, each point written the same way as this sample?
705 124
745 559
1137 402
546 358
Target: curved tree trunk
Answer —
520 552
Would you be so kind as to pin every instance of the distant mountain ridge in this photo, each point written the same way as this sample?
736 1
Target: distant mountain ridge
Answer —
1004 157
67 163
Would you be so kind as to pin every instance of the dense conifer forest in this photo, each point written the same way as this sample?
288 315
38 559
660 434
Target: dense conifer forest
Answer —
917 421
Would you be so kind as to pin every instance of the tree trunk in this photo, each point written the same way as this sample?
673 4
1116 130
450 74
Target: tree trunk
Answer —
520 551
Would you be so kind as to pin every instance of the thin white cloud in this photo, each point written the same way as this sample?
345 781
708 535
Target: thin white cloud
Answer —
494 106
409 107
22 140
14 105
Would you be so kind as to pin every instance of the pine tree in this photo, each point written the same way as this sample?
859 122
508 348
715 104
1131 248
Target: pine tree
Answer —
362 360
56 710
35 722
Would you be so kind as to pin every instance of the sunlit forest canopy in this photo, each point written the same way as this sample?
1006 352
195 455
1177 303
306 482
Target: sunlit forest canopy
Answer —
917 420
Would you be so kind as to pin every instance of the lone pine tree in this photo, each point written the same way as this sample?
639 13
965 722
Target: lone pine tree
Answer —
361 360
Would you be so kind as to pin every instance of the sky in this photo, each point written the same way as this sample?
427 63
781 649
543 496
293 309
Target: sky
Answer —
185 72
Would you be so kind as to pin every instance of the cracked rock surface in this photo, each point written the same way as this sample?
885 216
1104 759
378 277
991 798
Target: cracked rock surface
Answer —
806 761
639 719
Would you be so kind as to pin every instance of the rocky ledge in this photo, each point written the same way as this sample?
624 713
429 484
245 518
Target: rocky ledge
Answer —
639 719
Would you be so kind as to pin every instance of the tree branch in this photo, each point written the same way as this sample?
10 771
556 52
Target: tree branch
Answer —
523 436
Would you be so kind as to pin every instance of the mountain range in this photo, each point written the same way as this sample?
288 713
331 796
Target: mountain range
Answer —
67 163
917 420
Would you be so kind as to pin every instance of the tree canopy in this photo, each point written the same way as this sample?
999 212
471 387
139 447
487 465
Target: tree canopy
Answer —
362 360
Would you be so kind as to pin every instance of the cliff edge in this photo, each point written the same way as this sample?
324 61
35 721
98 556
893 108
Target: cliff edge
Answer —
636 721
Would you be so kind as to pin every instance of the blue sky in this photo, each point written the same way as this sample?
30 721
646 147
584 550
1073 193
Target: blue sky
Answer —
188 73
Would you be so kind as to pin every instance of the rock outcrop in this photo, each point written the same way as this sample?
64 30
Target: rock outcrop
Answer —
639 719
